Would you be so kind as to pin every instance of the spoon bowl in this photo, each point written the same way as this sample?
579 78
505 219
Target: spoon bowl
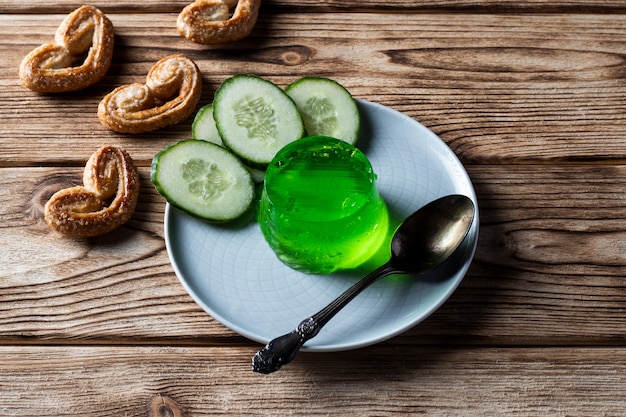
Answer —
440 227
424 241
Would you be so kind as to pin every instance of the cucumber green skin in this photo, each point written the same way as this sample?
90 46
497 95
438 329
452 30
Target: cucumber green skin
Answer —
163 191
224 116
349 109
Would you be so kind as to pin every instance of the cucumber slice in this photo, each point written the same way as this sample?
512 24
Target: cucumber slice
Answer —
258 176
327 108
203 179
203 126
255 118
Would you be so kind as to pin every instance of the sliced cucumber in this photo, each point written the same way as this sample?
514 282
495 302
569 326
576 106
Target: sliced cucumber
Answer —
203 126
258 176
255 118
203 179
327 108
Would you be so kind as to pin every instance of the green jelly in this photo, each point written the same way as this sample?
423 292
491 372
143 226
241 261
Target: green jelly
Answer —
320 209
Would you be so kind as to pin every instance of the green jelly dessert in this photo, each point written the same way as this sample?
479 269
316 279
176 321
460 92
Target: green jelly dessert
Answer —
320 209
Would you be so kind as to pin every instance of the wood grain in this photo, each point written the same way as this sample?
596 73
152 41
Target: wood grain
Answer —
64 288
497 89
384 381
305 6
529 95
549 267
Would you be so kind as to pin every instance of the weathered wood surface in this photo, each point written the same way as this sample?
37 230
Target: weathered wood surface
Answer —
304 6
496 88
529 95
111 381
550 267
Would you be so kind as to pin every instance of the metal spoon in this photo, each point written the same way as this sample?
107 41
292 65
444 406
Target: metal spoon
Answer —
422 242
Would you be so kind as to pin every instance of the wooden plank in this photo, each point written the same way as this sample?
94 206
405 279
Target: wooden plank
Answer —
207 381
117 285
549 267
496 88
494 6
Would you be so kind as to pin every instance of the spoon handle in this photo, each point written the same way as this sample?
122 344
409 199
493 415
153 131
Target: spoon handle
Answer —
284 349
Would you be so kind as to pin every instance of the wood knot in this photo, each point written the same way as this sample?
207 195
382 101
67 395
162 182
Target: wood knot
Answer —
293 58
34 207
295 55
162 406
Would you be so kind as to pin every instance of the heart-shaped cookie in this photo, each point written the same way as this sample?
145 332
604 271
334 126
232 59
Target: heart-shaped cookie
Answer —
170 94
209 22
52 67
106 200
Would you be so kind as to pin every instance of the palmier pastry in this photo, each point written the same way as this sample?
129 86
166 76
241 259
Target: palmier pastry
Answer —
51 67
170 94
106 200
209 21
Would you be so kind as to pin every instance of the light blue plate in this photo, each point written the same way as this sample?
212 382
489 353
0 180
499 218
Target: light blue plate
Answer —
234 276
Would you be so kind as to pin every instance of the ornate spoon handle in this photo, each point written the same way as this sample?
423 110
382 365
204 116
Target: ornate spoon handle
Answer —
283 349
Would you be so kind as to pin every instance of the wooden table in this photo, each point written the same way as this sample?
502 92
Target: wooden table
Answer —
531 96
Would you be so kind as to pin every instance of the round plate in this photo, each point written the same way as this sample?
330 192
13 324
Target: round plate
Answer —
232 273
